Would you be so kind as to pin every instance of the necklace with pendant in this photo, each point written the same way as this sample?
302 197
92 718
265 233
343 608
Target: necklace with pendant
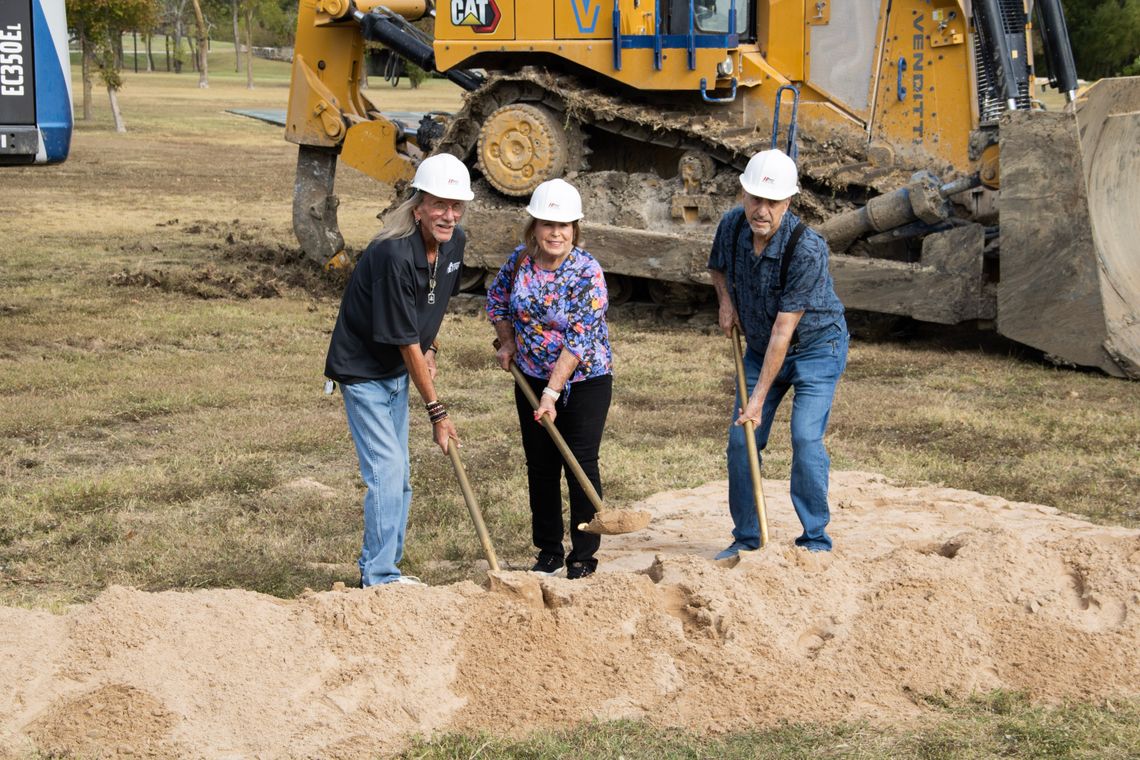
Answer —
431 279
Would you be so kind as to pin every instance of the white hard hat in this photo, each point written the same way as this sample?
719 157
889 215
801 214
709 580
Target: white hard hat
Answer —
555 200
444 176
770 174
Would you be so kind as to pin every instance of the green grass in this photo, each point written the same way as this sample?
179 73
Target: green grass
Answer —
996 725
161 352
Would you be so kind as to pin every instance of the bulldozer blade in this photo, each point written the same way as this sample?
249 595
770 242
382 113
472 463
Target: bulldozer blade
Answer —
611 522
1070 277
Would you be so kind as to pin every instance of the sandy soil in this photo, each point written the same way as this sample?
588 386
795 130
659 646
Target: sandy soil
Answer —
930 591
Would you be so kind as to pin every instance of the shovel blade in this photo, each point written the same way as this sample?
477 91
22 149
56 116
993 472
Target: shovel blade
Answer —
611 522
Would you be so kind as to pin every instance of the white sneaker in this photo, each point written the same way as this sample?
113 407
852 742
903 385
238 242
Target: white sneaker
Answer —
408 580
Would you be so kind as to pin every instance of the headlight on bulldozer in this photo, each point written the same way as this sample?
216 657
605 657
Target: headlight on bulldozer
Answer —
724 68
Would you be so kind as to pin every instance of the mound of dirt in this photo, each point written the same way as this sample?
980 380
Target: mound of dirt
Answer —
240 263
930 592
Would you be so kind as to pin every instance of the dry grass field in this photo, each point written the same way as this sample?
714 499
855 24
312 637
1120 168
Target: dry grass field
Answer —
161 353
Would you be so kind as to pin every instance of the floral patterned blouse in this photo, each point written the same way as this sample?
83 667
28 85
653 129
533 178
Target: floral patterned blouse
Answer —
550 311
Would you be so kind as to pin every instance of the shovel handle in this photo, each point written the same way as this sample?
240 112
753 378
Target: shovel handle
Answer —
750 439
472 506
559 441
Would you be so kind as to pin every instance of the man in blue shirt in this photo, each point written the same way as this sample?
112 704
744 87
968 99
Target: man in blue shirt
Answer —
771 279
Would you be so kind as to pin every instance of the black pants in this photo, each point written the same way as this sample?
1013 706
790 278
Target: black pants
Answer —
580 421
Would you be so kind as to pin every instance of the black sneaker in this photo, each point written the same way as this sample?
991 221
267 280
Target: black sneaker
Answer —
578 570
547 564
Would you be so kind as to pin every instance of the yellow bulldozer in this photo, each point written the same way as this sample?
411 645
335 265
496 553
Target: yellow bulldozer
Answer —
946 191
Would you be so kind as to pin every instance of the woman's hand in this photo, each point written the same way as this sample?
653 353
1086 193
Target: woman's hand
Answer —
545 406
505 354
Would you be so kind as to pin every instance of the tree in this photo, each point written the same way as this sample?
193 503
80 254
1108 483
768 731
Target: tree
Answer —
249 7
1105 35
174 20
203 45
237 37
99 25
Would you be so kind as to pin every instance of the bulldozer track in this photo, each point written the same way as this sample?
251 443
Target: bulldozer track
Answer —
834 177
587 105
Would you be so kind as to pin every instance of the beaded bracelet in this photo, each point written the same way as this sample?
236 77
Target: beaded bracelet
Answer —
437 412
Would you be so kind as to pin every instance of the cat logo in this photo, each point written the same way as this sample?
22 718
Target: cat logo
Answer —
481 15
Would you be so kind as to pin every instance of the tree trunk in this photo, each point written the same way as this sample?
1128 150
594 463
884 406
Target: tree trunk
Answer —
176 43
149 51
117 47
87 55
237 39
120 125
249 45
203 46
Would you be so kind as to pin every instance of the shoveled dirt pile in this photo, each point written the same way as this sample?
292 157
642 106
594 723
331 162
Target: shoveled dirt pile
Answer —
930 592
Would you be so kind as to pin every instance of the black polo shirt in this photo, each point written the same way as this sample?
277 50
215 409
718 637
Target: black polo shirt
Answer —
385 306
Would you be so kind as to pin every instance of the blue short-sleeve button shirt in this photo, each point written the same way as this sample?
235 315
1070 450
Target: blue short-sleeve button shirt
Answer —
754 281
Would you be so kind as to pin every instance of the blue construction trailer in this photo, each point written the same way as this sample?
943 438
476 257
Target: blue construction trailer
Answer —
35 82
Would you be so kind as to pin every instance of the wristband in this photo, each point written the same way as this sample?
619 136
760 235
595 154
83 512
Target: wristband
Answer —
433 347
437 412
548 391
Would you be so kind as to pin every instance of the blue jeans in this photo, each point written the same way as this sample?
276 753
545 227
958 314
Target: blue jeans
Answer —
813 371
377 413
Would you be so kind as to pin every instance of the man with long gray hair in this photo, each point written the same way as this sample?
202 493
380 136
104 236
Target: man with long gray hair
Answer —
385 336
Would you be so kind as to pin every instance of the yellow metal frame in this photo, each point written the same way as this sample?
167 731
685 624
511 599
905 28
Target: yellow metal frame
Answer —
326 107
929 125
580 31
325 87
937 112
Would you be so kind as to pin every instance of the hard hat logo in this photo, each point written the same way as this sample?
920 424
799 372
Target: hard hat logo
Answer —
481 15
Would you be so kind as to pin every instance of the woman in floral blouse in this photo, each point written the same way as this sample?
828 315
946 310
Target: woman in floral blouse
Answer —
548 305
